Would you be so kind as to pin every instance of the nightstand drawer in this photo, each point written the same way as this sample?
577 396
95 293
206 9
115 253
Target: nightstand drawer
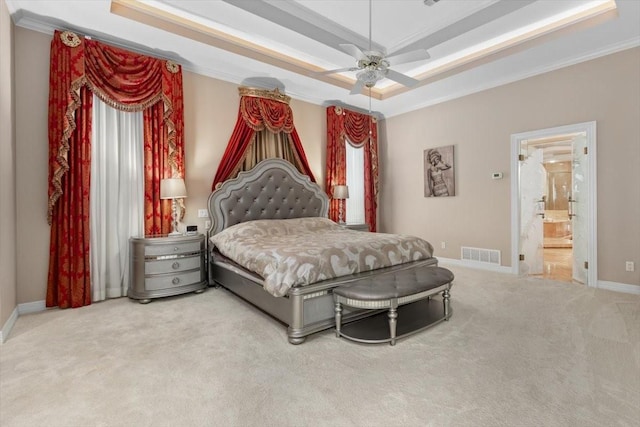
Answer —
173 280
171 249
176 265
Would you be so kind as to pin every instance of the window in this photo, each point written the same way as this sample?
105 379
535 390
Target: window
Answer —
117 196
355 182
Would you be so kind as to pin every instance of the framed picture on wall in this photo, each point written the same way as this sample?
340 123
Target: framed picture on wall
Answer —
439 172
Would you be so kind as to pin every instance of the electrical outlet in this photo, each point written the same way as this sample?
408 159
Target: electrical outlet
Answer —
443 245
207 225
203 213
629 265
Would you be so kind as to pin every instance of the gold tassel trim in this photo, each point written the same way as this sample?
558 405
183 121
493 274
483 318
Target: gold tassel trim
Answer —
129 108
63 148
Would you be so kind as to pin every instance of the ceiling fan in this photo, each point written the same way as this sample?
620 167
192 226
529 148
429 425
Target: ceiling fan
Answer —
373 66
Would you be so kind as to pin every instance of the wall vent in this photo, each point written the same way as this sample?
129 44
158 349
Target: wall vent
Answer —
488 256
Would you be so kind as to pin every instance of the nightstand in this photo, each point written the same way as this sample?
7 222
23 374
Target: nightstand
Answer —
359 227
161 266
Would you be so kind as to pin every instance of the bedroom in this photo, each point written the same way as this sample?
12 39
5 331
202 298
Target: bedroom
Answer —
601 89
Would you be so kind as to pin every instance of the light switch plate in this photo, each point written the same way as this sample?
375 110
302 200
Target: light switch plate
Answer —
203 213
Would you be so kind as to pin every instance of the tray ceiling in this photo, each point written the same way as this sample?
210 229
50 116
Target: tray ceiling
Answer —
473 44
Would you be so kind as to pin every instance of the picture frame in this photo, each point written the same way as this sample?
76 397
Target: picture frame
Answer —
439 172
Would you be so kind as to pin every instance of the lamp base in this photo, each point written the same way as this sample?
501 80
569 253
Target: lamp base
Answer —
174 217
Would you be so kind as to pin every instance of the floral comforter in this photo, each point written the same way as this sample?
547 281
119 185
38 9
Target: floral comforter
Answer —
301 251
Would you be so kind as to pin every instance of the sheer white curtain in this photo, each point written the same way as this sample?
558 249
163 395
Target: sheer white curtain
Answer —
117 196
355 182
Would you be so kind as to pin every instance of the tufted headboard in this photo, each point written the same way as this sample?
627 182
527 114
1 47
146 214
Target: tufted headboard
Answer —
273 189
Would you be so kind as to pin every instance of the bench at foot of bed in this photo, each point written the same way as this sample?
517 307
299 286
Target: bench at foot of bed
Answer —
390 292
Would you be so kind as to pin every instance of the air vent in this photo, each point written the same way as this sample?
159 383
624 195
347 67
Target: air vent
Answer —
487 256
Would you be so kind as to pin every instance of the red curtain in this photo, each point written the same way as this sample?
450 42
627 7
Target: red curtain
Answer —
256 114
234 153
157 212
126 81
361 130
69 274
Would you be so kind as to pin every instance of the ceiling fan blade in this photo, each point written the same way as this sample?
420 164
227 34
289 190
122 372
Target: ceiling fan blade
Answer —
338 70
354 51
357 88
401 78
412 56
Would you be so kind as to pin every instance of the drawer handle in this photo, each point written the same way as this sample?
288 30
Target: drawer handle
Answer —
175 265
175 249
175 280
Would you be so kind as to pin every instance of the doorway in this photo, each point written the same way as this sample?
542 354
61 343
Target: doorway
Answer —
553 204
557 230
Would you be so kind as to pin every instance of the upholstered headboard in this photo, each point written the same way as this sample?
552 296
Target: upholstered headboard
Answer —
273 189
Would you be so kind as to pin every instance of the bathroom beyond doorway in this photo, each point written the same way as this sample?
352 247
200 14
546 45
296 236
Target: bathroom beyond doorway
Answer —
538 202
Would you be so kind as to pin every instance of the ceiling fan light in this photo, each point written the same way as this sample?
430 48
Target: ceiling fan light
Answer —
370 76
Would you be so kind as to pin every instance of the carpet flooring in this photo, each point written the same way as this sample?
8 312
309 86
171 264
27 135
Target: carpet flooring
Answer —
516 352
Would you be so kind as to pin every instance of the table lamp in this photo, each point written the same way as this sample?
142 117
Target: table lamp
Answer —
173 188
340 192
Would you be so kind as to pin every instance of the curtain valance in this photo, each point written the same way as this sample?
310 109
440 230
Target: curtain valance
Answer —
124 80
357 127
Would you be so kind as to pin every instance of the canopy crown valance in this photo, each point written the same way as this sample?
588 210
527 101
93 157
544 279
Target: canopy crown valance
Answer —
266 109
262 110
274 94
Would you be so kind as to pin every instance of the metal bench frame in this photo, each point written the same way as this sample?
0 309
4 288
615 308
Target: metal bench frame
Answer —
392 305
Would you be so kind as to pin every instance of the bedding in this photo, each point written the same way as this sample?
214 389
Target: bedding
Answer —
296 252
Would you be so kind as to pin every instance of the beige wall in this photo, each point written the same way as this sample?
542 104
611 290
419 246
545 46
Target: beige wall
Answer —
479 126
211 108
7 170
32 95
606 90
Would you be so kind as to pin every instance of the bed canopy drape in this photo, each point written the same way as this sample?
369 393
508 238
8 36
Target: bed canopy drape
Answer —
360 130
126 81
261 112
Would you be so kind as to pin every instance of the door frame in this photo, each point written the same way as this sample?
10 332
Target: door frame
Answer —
592 254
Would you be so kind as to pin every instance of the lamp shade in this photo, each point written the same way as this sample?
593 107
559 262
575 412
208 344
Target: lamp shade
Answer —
340 192
173 188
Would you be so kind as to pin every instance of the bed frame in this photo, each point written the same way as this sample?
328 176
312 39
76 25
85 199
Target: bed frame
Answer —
274 189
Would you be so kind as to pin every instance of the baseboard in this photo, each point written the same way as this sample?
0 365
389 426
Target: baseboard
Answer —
25 308
8 325
32 307
619 287
602 284
476 265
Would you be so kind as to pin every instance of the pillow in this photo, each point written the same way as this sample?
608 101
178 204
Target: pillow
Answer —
274 227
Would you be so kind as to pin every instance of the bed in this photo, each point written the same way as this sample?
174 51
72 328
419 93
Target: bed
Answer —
275 190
